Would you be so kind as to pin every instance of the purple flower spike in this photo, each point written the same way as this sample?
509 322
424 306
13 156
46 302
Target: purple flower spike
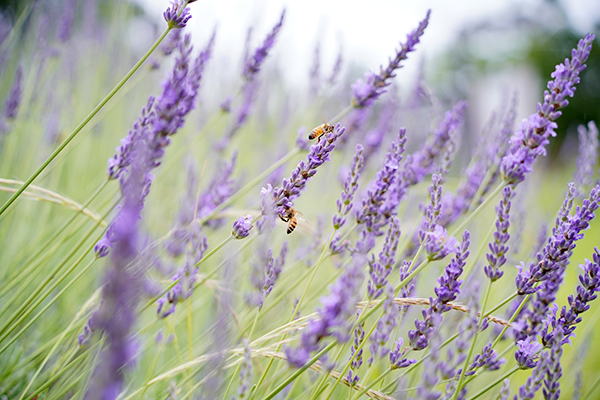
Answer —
291 187
530 139
587 158
397 359
241 227
381 268
526 353
552 260
498 248
174 18
334 315
344 204
422 162
359 337
11 107
528 390
375 212
254 62
448 290
365 92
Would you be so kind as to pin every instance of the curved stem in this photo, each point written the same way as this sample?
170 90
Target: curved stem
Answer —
83 123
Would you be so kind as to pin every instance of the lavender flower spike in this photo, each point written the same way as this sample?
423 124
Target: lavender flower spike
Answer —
530 139
587 158
318 155
448 290
241 227
365 92
333 317
344 204
174 18
11 107
498 249
253 63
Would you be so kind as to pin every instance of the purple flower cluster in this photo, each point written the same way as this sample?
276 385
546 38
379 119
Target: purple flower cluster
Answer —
160 119
245 371
265 274
176 18
397 359
568 318
338 307
526 353
254 62
422 161
370 216
448 290
365 92
498 248
385 326
553 259
291 187
221 186
11 106
241 227
359 337
530 139
381 268
344 204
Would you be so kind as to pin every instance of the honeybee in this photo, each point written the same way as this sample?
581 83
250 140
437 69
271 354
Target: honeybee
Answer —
291 218
320 131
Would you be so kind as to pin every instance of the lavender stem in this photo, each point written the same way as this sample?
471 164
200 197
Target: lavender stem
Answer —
496 382
83 123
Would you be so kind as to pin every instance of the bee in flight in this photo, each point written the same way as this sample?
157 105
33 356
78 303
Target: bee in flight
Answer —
291 218
320 131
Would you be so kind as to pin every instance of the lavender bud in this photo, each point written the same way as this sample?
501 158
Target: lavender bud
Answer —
241 227
176 20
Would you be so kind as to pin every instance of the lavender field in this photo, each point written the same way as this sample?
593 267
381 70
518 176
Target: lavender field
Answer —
168 232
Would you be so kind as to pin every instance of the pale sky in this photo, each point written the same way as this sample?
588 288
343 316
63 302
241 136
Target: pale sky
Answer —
369 32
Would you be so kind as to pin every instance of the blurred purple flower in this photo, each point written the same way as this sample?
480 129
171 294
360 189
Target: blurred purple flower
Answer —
526 353
529 141
365 92
381 268
333 319
65 27
344 204
11 106
422 161
254 62
587 158
359 337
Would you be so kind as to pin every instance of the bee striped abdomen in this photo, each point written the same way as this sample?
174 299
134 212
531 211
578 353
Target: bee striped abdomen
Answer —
320 131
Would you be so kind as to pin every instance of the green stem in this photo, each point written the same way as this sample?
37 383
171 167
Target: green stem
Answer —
26 271
366 388
296 309
512 318
478 209
497 381
83 123
50 303
473 341
300 371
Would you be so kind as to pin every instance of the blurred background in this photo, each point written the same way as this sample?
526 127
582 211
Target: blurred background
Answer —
478 51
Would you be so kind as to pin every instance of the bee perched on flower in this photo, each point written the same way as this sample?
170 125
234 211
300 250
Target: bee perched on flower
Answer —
319 131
